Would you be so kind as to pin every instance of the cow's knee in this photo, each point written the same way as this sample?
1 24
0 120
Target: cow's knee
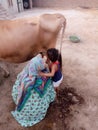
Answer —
4 70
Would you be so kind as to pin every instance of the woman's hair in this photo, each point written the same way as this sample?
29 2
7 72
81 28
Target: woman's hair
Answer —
54 55
43 53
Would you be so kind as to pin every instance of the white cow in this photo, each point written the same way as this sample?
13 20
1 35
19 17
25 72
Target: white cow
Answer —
21 39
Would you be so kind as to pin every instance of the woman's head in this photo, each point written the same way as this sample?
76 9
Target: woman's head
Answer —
43 54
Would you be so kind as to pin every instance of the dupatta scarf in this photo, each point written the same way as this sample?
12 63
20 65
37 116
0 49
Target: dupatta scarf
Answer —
28 79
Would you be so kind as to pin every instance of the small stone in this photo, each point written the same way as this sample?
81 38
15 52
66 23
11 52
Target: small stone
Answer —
74 99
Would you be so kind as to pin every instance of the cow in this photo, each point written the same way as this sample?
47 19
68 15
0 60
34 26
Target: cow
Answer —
21 39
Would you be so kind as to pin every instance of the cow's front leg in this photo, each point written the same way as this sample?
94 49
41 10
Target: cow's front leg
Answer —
4 69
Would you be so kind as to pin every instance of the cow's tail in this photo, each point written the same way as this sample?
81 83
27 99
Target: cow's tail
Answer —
61 41
62 33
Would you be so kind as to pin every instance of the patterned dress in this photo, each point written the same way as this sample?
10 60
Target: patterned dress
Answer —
40 94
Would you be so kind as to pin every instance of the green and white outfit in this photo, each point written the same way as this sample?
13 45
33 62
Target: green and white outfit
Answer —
34 93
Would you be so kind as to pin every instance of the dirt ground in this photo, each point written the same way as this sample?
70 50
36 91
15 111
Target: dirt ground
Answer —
77 106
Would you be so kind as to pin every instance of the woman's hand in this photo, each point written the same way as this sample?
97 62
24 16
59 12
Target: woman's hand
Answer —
41 73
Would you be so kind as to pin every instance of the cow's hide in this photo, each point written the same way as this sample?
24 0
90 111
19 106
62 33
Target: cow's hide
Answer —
21 39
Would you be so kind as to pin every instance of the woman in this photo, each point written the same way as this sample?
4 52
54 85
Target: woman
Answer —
32 94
